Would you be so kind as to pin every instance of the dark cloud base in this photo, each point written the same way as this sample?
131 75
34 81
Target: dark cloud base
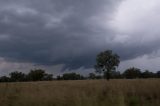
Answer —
60 32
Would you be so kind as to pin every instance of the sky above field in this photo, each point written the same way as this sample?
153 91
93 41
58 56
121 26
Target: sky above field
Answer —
66 35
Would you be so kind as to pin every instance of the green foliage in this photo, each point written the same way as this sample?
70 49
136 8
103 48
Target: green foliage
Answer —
41 75
116 74
48 77
133 101
33 75
92 76
70 76
106 62
5 79
158 74
17 76
147 74
38 75
132 73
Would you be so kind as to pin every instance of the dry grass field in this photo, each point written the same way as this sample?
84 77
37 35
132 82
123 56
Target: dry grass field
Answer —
138 92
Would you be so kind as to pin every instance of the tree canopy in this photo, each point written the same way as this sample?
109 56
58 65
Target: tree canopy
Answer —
106 62
132 73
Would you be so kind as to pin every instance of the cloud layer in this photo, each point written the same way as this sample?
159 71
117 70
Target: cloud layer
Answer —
71 33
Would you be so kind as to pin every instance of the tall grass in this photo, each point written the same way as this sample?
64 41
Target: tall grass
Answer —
137 92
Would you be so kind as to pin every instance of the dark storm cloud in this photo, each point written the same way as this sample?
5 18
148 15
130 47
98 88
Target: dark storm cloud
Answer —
52 31
69 32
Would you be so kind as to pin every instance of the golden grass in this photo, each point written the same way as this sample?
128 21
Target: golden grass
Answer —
138 92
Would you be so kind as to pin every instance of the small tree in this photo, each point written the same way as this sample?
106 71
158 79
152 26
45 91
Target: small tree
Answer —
92 76
48 77
106 62
36 75
72 76
147 74
17 76
132 73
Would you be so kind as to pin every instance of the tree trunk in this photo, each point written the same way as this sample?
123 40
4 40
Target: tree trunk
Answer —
108 76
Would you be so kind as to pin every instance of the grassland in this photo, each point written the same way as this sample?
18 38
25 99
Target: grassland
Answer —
139 92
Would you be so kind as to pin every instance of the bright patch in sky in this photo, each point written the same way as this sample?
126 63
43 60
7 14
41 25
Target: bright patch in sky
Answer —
139 19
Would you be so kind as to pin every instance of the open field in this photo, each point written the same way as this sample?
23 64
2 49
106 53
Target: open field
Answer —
139 92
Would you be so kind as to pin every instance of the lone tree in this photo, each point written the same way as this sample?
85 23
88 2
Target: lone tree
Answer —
106 62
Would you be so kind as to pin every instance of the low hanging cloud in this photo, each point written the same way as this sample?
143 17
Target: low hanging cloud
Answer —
54 32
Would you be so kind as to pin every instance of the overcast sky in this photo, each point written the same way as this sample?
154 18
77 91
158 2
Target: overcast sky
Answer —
67 34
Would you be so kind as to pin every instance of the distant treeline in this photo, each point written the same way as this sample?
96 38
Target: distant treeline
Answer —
41 75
